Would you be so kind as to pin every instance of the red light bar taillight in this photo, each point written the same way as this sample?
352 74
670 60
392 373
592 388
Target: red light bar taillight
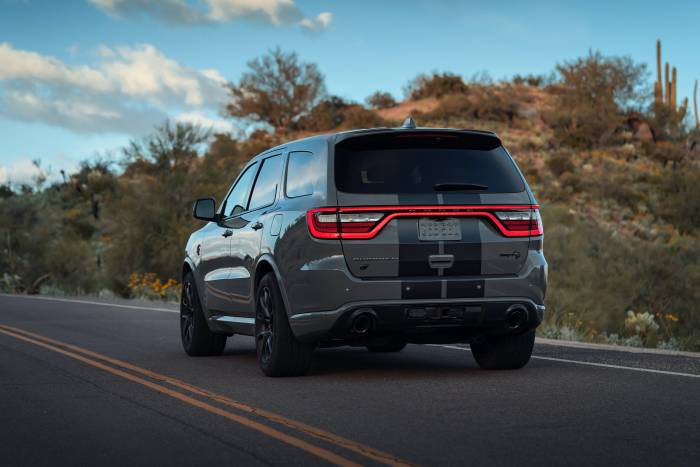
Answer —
522 221
334 223
367 221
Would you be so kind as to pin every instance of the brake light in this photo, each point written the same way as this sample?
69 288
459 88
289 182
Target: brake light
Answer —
520 221
367 221
332 223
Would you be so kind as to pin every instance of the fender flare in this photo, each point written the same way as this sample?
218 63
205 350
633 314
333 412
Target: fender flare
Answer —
198 283
269 259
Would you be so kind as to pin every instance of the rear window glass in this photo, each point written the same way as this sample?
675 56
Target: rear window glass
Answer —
424 164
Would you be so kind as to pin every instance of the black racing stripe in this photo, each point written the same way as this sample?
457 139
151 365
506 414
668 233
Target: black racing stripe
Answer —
465 289
467 252
467 259
413 254
421 289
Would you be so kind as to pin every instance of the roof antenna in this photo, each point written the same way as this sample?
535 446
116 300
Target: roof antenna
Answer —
409 123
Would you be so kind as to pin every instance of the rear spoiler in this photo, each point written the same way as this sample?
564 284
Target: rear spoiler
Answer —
387 138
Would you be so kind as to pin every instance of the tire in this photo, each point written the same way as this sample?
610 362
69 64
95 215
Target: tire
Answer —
197 339
504 352
387 347
279 352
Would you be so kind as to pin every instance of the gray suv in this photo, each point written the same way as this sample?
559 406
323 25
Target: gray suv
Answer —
374 238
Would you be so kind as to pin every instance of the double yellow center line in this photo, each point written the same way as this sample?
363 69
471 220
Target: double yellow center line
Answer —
158 383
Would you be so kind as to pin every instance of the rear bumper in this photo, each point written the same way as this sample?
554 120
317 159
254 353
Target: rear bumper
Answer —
484 301
420 321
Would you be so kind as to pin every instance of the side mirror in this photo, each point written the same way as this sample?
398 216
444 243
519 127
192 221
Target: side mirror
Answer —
204 209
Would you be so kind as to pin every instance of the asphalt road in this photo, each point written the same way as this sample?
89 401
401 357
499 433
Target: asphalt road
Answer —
96 384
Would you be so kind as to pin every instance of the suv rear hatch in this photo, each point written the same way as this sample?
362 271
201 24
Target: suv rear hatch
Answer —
428 203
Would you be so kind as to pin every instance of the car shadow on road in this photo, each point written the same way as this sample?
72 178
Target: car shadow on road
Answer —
413 363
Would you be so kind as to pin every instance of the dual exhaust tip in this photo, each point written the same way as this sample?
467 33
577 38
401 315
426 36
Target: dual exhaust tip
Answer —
362 322
516 317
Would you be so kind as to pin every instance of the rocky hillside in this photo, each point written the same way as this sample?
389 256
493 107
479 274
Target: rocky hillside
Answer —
617 175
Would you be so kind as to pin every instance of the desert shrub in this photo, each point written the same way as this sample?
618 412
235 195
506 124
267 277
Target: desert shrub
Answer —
435 85
529 80
6 191
560 162
479 103
570 182
592 96
491 103
680 203
356 116
598 276
381 100
65 217
667 123
328 114
665 152
149 217
336 113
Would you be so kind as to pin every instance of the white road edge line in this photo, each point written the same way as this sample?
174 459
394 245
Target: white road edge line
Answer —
603 365
615 348
88 302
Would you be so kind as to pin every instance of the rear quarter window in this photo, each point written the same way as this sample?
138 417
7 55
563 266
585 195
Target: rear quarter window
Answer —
383 164
265 189
301 174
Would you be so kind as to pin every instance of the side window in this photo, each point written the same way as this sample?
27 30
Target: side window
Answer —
300 174
265 189
237 200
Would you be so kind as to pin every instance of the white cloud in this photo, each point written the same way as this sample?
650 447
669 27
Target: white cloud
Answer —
274 12
172 11
20 64
128 90
217 125
19 172
322 21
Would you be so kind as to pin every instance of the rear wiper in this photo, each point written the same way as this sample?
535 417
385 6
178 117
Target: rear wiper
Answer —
459 187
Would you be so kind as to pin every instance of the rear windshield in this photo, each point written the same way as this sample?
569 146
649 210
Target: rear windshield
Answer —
425 164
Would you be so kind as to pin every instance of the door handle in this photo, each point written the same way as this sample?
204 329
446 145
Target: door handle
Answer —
227 233
257 226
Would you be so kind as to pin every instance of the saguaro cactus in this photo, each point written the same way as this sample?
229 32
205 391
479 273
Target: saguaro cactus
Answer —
665 91
695 105
658 89
667 82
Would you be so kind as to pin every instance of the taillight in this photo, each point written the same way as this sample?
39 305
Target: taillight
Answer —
323 223
332 223
358 222
522 221
367 221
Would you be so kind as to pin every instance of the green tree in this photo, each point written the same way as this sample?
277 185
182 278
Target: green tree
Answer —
149 218
277 89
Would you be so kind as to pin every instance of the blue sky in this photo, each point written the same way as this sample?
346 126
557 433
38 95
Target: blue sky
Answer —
81 77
